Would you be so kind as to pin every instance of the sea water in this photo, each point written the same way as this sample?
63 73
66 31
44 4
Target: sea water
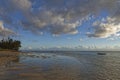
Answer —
61 65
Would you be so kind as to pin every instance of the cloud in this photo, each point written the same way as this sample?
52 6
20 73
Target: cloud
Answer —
105 29
29 47
60 16
22 4
4 32
81 39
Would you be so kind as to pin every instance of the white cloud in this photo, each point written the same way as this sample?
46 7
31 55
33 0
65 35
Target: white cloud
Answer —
22 4
112 39
105 29
80 39
5 31
61 16
29 47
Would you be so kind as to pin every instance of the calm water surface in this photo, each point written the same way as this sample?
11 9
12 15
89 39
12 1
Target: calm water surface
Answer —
61 66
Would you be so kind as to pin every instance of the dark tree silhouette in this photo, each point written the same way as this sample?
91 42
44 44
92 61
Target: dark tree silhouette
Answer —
10 44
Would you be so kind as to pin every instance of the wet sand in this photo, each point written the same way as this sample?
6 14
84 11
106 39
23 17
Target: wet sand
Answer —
9 53
53 66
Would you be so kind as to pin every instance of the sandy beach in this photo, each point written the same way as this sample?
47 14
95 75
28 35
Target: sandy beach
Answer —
9 53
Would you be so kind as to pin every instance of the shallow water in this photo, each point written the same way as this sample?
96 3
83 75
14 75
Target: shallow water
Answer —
60 66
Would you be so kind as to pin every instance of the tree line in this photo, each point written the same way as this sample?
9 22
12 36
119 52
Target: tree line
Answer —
10 44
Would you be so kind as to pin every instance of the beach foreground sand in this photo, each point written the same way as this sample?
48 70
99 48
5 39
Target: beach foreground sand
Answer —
9 53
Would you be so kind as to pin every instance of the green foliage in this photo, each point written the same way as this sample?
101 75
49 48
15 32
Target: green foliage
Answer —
10 44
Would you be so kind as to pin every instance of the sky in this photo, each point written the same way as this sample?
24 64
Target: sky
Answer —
62 24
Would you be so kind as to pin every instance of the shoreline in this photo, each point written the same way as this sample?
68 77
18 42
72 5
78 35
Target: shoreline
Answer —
9 53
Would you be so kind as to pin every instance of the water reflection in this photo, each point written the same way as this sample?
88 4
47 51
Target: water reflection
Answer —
6 61
53 66
95 67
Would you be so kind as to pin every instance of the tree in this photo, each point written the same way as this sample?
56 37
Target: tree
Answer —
10 44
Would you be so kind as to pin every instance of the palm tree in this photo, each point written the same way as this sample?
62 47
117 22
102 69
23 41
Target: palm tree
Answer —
10 44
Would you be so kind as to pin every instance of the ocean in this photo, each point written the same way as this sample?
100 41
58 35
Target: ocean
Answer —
61 65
